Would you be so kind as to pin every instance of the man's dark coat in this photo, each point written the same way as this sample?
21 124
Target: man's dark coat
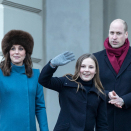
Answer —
78 109
118 119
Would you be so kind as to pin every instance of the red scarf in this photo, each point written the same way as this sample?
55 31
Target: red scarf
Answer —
116 56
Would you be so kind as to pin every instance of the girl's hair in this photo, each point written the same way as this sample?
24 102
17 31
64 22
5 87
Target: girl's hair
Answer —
96 78
17 37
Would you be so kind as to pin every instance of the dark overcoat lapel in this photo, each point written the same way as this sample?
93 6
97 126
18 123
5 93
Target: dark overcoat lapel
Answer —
126 62
109 64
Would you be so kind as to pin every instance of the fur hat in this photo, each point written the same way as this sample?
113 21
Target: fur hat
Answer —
17 37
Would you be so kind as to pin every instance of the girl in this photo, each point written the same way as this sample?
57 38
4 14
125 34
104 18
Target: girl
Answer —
81 95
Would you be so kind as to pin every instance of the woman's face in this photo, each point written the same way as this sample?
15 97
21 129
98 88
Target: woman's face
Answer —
17 54
87 69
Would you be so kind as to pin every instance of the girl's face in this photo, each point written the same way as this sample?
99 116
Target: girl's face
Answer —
17 55
87 69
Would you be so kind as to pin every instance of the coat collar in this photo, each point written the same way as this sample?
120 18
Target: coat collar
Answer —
18 69
109 64
94 89
75 85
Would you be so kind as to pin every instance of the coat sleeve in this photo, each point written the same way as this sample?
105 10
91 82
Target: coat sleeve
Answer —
40 109
107 97
46 79
127 100
101 120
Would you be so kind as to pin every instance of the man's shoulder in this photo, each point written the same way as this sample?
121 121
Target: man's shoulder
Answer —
100 53
129 51
129 47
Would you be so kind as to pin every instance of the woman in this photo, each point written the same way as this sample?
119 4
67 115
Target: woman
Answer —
21 96
81 96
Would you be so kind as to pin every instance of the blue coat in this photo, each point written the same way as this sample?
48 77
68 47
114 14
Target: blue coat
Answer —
21 98
118 119
77 108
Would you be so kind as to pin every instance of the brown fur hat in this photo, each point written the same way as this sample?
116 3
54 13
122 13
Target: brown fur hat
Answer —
17 37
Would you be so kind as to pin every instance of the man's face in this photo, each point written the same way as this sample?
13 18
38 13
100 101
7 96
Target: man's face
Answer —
117 34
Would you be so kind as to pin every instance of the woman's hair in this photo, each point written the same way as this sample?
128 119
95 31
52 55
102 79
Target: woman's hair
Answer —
17 37
96 78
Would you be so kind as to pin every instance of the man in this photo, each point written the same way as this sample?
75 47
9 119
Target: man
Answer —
115 73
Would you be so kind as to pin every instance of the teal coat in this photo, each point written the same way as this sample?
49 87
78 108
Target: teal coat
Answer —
21 98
